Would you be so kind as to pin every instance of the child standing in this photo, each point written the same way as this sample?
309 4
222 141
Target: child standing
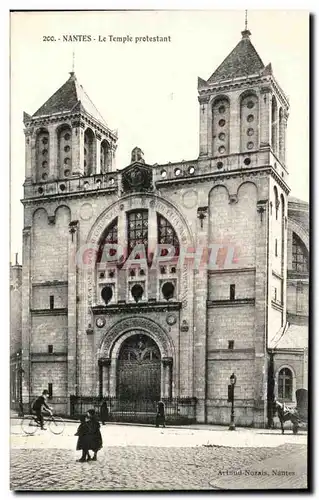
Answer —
95 442
83 443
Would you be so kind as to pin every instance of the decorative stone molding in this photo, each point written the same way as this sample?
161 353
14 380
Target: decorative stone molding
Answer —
89 329
104 361
73 227
233 199
171 319
184 327
146 325
167 361
202 214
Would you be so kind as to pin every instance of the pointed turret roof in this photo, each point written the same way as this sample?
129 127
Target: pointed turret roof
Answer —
242 61
70 97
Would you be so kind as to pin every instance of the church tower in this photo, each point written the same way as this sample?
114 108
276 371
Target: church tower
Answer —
242 139
67 137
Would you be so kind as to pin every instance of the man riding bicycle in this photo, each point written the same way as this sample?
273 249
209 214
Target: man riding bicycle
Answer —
40 404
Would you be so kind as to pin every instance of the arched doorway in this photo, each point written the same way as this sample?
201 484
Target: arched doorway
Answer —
139 369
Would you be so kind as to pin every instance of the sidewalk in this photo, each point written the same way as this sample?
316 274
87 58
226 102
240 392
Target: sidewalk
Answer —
288 471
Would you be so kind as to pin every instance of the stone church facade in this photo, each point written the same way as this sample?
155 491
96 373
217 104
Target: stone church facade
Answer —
159 281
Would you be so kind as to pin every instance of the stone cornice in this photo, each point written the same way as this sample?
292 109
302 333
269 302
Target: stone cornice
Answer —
69 116
229 303
139 307
229 174
50 283
64 196
232 270
49 312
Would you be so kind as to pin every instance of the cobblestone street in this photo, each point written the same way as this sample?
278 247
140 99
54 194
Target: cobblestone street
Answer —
145 458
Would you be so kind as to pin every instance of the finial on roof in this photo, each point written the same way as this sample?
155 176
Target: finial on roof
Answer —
72 73
246 33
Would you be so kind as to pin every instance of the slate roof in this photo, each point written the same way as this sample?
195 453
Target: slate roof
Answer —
295 337
67 98
242 61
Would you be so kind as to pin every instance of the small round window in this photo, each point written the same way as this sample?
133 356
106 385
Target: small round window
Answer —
222 136
84 163
67 161
177 172
250 118
247 161
67 149
45 152
221 123
191 170
250 104
220 164
44 177
67 172
44 164
222 109
163 173
67 137
45 140
85 151
250 131
112 180
221 149
250 145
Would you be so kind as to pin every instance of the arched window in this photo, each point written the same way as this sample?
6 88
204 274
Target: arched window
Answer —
104 154
220 113
109 238
65 150
137 230
89 152
42 155
249 116
274 124
299 255
166 235
285 384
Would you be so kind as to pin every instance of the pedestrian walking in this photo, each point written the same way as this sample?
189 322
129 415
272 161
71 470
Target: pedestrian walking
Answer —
83 440
104 412
160 414
95 442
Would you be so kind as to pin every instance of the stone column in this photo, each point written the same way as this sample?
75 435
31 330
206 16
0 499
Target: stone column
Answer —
78 147
199 341
26 315
285 119
104 375
167 377
235 126
204 116
122 241
29 154
72 311
262 305
152 249
112 378
265 117
97 169
54 159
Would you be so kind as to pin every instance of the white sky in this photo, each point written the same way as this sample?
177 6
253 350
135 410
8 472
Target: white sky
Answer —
149 91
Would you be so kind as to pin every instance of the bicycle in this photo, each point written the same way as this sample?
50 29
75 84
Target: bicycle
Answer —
30 423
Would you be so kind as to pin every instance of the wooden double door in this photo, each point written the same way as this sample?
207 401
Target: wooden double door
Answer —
139 369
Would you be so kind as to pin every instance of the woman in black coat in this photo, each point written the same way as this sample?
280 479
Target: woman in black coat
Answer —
94 436
82 443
